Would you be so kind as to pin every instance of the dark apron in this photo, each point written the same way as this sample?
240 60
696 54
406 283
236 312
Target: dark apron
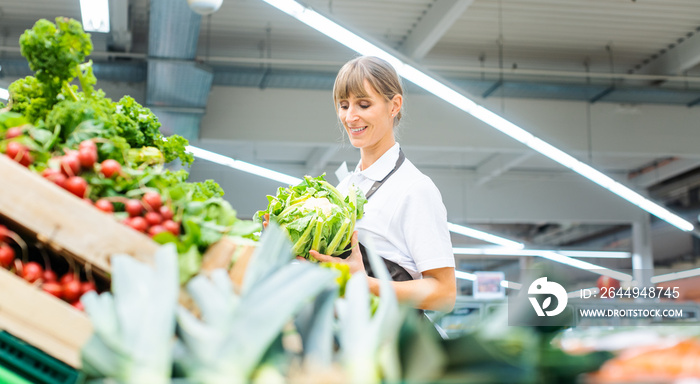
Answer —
397 272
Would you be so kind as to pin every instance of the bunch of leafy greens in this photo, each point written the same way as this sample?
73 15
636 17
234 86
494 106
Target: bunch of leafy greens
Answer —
57 115
57 53
316 215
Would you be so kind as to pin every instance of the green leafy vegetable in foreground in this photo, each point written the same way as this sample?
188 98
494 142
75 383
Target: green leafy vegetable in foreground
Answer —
316 215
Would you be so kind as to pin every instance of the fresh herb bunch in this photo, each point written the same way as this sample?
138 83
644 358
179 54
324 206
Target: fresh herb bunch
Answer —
316 215
57 53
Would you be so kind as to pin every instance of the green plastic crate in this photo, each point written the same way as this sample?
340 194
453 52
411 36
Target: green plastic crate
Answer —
23 362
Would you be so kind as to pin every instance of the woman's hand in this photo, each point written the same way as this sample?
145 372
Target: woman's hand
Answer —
354 261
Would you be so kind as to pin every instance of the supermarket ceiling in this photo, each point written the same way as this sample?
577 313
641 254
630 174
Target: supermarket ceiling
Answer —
612 82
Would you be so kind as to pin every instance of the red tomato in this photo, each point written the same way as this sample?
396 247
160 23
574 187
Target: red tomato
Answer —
52 288
133 207
87 144
608 282
166 212
153 218
87 156
3 233
66 278
32 271
76 185
78 305
156 229
110 168
27 159
104 205
70 165
71 291
57 178
7 255
152 201
172 227
13 132
138 223
87 286
49 276
15 150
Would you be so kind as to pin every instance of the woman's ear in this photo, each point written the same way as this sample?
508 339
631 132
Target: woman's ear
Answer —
396 103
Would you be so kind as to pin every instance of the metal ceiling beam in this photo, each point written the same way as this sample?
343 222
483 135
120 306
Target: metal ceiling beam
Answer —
676 59
665 172
319 158
432 26
497 165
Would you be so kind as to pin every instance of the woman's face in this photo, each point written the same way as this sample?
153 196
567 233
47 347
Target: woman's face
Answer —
369 120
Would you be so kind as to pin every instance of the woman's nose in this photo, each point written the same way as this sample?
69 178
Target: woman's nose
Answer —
351 114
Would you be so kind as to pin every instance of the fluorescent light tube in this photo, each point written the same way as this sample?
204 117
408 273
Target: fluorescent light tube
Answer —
535 252
4 94
550 255
242 166
676 275
466 231
465 275
441 90
95 14
511 285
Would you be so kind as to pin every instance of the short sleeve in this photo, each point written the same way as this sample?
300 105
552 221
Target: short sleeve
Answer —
423 219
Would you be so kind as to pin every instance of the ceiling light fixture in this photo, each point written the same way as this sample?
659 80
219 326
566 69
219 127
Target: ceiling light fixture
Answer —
438 88
95 15
4 94
676 275
242 166
475 233
472 277
550 255
505 251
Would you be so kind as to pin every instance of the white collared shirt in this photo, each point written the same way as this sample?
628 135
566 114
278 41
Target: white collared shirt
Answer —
405 218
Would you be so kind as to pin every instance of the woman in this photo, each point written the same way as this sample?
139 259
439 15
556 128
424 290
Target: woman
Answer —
404 215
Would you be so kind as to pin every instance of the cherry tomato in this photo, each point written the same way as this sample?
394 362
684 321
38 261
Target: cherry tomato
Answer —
7 255
76 185
32 271
110 168
104 205
133 207
152 201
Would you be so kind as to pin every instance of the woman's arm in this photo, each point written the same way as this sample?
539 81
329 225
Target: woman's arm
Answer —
435 291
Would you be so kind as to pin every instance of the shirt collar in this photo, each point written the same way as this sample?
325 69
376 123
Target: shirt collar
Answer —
382 166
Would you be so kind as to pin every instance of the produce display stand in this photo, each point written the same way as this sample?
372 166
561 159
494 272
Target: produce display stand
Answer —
69 227
22 363
42 320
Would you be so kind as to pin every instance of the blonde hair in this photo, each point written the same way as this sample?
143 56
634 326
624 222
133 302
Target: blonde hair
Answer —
378 72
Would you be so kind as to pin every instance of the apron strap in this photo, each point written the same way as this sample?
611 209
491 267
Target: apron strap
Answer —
379 183
397 272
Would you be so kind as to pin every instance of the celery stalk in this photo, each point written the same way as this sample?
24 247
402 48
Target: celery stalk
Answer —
333 246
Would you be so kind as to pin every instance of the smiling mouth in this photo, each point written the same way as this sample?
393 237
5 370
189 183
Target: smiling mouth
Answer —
357 130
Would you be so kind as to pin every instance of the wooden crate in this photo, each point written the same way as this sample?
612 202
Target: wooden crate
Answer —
68 225
45 322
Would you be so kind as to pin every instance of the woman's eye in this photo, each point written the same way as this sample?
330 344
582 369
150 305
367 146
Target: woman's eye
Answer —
364 106
343 106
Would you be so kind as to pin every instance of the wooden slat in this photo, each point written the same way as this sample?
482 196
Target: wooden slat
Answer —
42 320
65 222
